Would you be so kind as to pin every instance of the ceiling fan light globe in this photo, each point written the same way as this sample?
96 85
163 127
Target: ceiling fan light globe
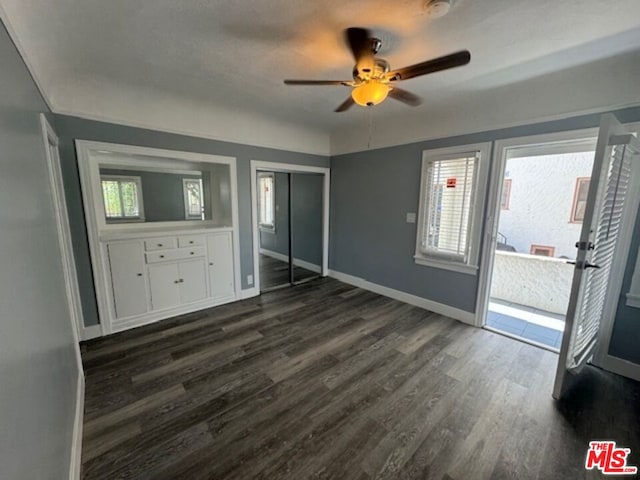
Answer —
370 93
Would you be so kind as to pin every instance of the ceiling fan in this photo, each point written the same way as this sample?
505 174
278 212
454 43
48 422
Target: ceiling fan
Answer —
373 79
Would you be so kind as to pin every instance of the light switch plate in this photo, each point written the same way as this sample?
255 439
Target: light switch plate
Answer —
411 217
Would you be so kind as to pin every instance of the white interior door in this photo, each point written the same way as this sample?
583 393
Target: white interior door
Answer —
603 222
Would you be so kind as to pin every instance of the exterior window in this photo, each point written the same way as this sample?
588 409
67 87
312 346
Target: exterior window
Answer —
266 202
506 194
580 199
451 208
122 198
542 250
193 204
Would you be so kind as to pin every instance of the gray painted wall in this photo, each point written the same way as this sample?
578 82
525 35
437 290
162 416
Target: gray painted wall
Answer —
162 193
38 371
306 211
625 338
372 191
71 128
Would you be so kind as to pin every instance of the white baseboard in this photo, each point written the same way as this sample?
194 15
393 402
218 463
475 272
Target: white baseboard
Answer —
92 331
442 309
621 367
75 466
248 293
296 261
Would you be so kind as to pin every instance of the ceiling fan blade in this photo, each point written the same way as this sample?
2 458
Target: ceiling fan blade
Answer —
430 66
405 97
359 40
318 82
346 105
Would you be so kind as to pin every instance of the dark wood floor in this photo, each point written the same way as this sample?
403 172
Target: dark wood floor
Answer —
324 380
275 273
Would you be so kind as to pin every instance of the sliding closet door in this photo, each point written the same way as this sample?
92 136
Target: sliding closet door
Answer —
306 225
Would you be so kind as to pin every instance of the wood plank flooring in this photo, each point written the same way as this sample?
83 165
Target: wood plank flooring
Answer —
325 380
274 273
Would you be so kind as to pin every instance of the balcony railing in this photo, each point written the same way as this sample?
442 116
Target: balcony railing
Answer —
532 280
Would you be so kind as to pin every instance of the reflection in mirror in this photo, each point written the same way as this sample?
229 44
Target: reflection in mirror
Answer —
143 193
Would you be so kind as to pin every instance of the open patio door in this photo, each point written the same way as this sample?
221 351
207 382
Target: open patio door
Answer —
604 212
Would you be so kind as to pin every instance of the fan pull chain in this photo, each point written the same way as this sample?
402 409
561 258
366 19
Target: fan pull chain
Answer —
370 115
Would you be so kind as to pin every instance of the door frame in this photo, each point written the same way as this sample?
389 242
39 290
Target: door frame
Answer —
501 150
258 165
51 142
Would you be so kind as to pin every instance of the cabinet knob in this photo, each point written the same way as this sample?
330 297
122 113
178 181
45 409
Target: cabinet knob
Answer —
211 263
139 274
191 242
192 253
176 281
182 280
161 256
160 245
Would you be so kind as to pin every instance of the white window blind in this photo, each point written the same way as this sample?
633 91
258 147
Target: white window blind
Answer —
266 200
448 205
611 200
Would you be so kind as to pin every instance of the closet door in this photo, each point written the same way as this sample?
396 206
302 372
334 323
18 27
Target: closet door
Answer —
192 281
164 280
220 258
126 261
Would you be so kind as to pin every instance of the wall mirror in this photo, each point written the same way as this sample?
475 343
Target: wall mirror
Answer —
135 191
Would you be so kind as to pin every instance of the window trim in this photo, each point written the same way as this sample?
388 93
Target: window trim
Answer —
443 261
124 178
264 227
548 248
187 215
505 182
574 202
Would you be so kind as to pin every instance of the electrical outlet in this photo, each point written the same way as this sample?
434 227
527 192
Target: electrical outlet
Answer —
411 218
250 279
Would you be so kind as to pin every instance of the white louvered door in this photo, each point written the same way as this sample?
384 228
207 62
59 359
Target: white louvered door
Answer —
603 221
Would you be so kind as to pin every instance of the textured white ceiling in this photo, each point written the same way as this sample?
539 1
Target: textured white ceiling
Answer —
142 61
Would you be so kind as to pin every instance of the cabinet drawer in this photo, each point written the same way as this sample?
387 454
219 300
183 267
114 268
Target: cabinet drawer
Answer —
160 243
190 241
193 252
175 254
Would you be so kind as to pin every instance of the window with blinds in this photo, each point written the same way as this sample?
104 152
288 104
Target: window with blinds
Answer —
449 228
449 187
266 201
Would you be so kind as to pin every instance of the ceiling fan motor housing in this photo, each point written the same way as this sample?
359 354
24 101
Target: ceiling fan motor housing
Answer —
377 69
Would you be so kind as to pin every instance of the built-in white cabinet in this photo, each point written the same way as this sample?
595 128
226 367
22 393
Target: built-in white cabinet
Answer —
155 277
219 251
128 279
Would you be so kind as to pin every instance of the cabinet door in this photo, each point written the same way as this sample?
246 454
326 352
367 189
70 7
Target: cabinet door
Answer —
220 259
126 261
193 280
164 281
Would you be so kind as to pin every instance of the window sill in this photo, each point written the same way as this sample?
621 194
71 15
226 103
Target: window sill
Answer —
446 265
633 300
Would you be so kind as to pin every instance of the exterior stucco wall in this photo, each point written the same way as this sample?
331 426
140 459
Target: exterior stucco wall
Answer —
534 281
542 190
